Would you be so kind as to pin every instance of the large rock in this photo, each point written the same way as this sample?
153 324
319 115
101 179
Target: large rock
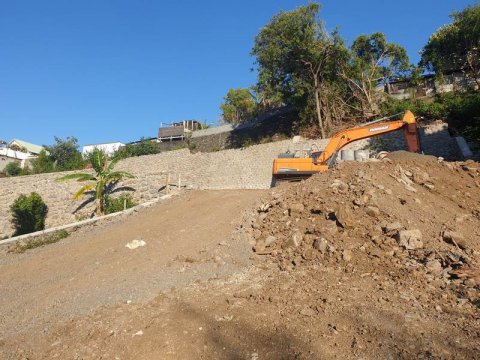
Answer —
270 240
294 241
455 238
347 255
296 209
320 244
410 239
259 246
434 267
373 211
344 216
394 226
420 177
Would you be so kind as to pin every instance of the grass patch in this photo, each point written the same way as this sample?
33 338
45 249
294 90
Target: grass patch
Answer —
34 243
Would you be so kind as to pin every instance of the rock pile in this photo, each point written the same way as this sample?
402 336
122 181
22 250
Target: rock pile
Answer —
407 211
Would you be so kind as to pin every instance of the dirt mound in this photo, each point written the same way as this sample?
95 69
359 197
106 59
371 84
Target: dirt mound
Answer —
374 260
407 211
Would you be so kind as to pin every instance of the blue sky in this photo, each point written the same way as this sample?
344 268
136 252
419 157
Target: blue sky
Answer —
108 70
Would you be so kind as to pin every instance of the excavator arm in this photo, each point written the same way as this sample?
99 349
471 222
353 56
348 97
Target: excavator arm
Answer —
297 168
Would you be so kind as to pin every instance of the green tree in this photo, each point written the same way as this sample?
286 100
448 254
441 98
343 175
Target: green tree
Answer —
297 60
43 163
102 183
65 154
238 106
456 46
373 61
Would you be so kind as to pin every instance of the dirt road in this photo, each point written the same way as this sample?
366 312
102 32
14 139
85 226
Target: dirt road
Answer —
186 240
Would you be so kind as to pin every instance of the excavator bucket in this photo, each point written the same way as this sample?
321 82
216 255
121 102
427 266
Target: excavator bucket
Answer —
411 137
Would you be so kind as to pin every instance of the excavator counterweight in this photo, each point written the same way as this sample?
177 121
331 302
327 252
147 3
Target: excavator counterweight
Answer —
290 168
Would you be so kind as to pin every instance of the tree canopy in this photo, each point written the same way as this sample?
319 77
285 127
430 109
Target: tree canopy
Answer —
303 65
297 60
238 106
373 61
456 46
66 154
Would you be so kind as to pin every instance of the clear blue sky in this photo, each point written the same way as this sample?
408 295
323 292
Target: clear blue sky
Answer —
107 70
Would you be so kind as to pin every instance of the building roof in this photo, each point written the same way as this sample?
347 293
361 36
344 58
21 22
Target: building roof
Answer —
35 149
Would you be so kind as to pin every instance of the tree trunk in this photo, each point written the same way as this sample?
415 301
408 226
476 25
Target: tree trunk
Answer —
470 64
319 112
98 207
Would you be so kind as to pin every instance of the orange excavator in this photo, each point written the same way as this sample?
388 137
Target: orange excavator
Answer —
287 167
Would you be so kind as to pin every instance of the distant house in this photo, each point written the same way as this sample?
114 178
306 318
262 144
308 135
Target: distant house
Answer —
178 130
429 86
25 146
18 151
109 148
8 156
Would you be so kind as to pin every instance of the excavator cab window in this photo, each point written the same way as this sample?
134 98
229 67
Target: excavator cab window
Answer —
286 155
315 155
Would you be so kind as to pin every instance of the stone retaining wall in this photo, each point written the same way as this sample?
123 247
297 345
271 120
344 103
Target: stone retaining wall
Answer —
246 168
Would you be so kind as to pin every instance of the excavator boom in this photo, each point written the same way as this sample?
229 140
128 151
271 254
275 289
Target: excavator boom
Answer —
290 168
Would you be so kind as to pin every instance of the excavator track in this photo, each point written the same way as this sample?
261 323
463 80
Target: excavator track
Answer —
290 177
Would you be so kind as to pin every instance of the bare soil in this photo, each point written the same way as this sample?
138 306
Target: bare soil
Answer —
376 260
187 240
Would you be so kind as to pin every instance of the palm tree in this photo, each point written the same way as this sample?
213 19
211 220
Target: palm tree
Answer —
102 183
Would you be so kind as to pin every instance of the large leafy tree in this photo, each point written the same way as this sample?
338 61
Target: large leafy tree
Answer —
101 184
238 105
297 60
66 154
373 62
456 46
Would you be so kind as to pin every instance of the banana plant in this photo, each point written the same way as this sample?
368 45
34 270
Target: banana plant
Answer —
102 183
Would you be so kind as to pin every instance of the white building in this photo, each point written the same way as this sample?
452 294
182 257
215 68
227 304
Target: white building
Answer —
109 148
18 151
8 155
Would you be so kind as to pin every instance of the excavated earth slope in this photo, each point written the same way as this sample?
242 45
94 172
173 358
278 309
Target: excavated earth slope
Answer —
376 260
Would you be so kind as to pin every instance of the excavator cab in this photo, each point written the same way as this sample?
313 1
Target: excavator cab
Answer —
291 167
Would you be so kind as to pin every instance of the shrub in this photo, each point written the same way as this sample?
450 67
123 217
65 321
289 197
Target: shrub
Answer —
120 203
247 143
144 147
463 111
192 146
430 110
29 213
13 169
43 163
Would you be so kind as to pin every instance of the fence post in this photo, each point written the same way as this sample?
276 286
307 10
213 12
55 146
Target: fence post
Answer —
179 182
167 185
